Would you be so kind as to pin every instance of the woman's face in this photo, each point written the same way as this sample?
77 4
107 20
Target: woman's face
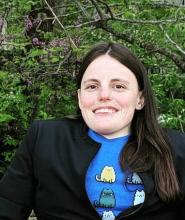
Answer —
109 96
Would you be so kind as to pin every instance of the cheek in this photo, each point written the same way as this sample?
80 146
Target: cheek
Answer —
86 101
126 101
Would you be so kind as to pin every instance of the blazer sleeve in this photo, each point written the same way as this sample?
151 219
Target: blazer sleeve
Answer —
17 184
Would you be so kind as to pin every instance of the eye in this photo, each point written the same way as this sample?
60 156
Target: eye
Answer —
119 87
91 87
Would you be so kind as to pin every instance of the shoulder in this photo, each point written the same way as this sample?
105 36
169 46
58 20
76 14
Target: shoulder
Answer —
175 137
177 143
50 127
66 121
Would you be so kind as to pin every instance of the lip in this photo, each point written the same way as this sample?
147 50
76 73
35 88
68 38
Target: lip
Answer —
108 109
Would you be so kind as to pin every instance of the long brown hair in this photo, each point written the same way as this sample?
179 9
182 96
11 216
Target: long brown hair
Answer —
148 148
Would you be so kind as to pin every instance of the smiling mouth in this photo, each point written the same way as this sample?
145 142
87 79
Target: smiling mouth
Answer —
105 110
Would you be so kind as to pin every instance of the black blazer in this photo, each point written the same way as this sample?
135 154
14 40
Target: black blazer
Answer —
48 175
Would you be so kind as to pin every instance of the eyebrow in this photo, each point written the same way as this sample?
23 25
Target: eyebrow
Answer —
112 80
119 80
90 80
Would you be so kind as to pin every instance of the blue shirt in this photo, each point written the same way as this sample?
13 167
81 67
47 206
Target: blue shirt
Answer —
109 189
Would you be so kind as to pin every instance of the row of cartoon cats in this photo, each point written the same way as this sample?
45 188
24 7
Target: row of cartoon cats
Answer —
108 175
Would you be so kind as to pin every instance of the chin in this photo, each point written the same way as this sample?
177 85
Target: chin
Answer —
103 130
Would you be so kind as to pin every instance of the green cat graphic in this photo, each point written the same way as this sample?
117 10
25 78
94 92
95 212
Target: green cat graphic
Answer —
106 200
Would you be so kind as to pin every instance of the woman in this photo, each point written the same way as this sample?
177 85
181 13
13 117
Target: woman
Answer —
114 162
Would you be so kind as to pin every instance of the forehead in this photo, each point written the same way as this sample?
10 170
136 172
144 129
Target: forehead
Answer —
106 66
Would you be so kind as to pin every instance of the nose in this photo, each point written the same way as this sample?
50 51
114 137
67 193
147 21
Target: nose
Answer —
104 94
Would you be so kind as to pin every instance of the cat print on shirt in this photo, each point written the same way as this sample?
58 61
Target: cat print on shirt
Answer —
108 215
107 175
139 197
134 179
106 200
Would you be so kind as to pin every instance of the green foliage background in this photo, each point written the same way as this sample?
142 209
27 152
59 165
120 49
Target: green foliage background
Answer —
37 81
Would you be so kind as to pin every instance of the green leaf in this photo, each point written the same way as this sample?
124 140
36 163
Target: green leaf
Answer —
3 74
37 52
4 118
54 59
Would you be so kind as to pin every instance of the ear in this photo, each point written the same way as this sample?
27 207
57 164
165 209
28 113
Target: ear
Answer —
140 101
79 98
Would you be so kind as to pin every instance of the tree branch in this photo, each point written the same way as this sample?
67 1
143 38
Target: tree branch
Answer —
56 18
153 22
108 8
82 9
149 21
171 41
94 23
63 61
98 9
150 47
